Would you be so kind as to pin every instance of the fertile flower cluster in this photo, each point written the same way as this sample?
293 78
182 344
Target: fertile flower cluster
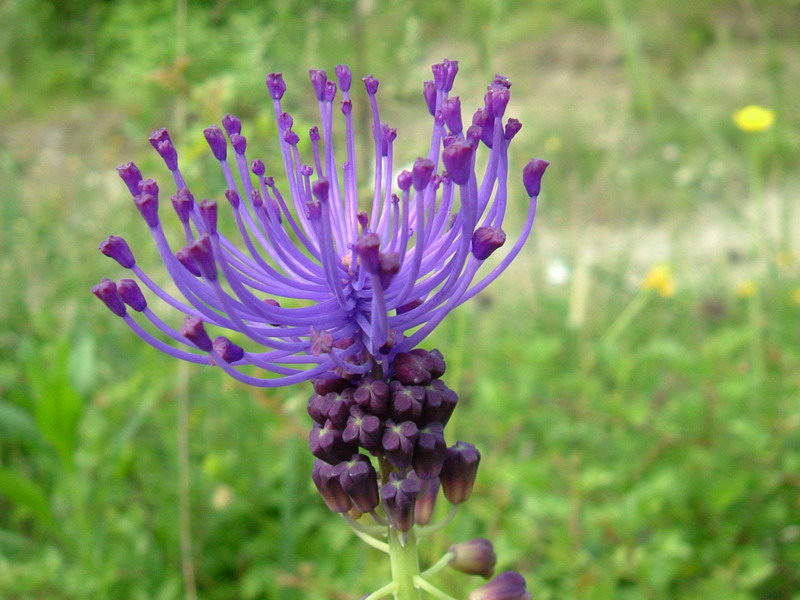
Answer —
357 288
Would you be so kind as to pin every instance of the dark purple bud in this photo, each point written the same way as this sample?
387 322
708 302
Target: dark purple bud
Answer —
459 471
475 557
316 408
330 91
398 442
358 478
216 141
409 306
275 85
239 143
426 501
413 368
363 219
388 267
451 112
327 444
228 351
429 92
313 133
131 294
327 385
512 128
290 137
208 212
500 98
429 451
371 84
318 80
501 81
194 331
306 170
169 154
486 240
148 207
506 586
131 175
202 255
390 133
452 70
107 291
474 134
457 158
440 402
368 249
149 186
187 261
421 173
183 202
344 77
285 121
117 248
440 75
232 124
337 407
159 136
399 496
258 167
269 181
321 342
232 196
372 395
329 487
406 401
439 365
363 429
532 175
255 197
320 189
404 179
347 107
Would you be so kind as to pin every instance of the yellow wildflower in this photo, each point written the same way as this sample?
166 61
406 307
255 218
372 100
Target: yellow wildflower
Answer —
746 289
754 119
659 278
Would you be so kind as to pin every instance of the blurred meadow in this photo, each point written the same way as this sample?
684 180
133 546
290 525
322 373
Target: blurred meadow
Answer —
633 382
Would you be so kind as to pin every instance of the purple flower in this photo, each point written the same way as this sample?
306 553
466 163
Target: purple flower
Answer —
357 287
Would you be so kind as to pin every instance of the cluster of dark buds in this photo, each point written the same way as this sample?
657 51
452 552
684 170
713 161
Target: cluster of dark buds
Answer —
324 290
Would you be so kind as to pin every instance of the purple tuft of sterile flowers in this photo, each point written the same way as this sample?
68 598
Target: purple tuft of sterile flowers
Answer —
318 284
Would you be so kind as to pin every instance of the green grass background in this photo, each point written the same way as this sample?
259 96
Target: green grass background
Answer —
634 446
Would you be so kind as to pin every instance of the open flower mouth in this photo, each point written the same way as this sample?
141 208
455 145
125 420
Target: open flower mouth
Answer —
375 280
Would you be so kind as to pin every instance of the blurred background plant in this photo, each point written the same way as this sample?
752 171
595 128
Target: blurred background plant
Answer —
650 452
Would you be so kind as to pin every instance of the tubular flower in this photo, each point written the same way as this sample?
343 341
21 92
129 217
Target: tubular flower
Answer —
317 285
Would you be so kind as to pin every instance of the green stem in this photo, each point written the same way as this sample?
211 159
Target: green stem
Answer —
432 589
404 558
441 564
381 593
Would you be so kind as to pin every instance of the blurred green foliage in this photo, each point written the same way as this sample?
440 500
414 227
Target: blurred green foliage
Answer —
659 461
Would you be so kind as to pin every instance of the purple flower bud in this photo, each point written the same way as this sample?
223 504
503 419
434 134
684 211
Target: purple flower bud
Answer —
258 167
326 443
290 137
228 351
440 76
320 189
313 134
429 92
148 207
232 196
285 121
363 219
275 85
474 135
371 84
404 179
451 67
158 136
372 395
359 479
512 128
532 175
475 557
239 143
363 429
329 487
421 173
131 294
169 154
149 186
451 113
368 249
347 107
501 81
338 405
388 266
426 501
486 240
313 210
326 385
440 402
321 342
316 408
183 202
439 365
399 496
500 98
398 442
406 401
106 291
194 331
413 368
131 175
216 141
231 124
208 212
429 451
318 79
330 91
187 261
117 248
458 472
344 77
506 586
202 255
457 158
